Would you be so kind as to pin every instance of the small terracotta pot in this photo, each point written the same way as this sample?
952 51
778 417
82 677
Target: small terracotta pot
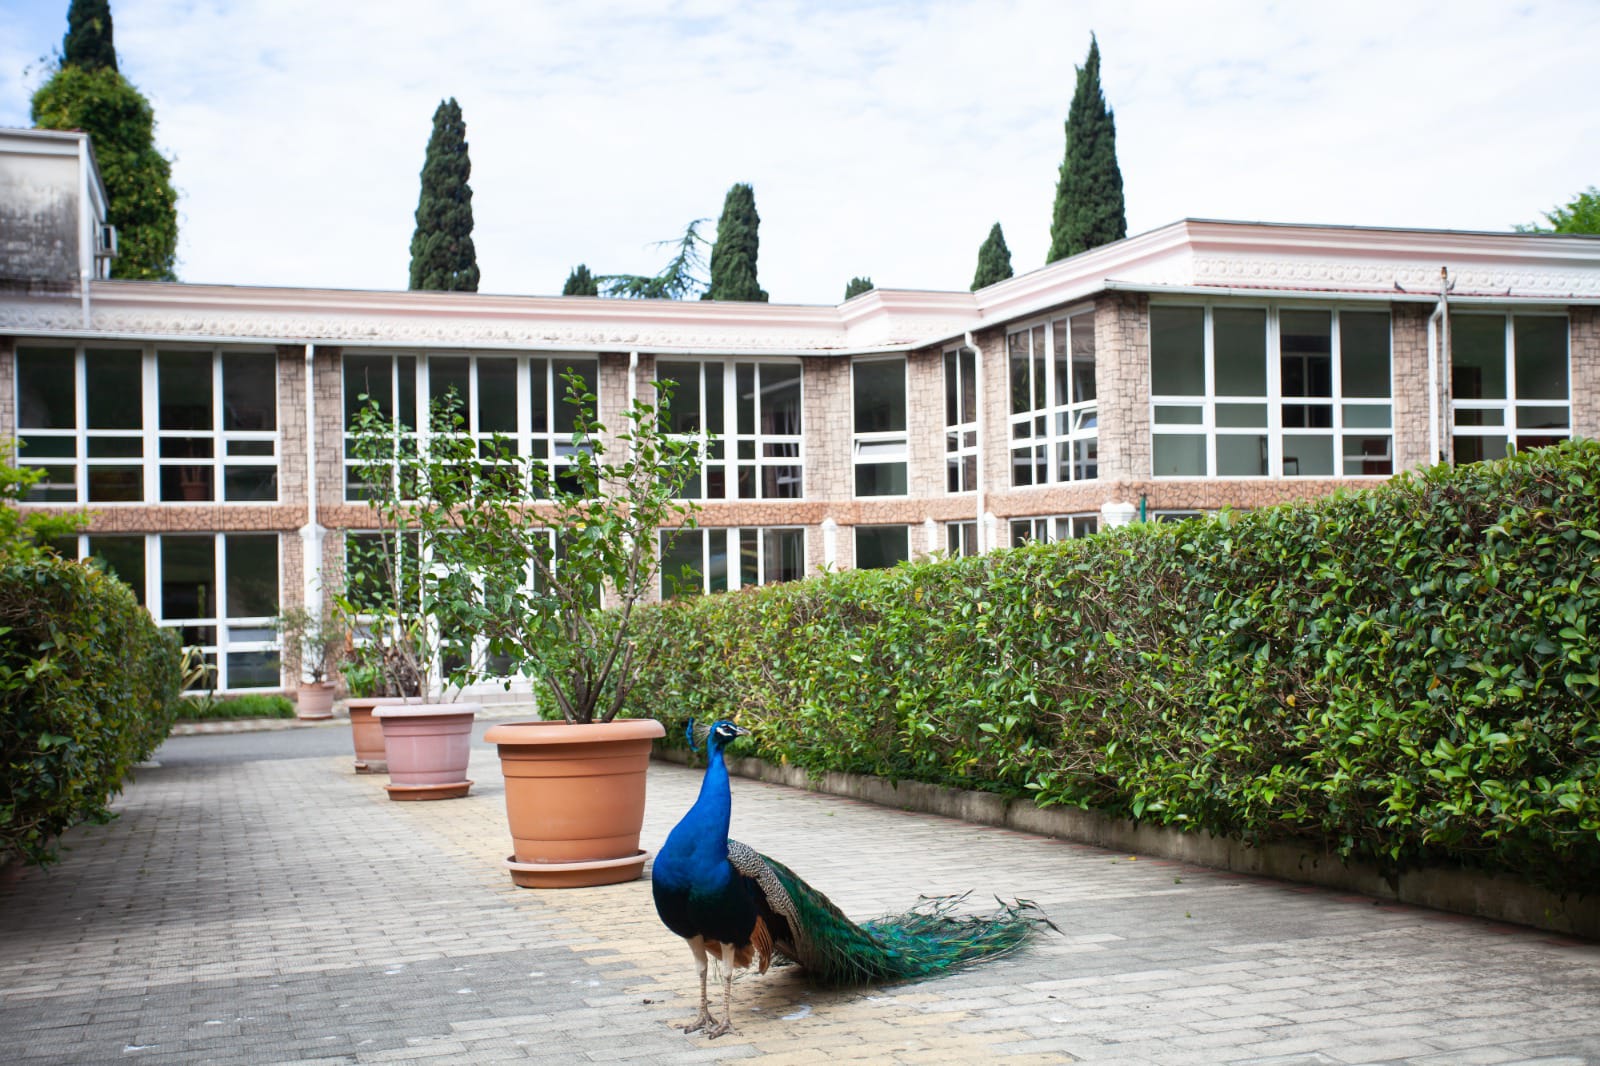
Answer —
428 745
366 733
575 799
315 701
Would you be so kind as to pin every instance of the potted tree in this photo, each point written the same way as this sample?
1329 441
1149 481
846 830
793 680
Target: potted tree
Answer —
568 571
402 594
362 672
317 642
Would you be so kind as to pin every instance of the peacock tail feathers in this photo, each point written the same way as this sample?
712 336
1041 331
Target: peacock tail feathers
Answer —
928 939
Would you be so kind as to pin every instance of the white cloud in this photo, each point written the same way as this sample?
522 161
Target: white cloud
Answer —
881 139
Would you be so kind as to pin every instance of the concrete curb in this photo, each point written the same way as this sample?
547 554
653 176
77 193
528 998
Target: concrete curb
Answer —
341 717
1472 892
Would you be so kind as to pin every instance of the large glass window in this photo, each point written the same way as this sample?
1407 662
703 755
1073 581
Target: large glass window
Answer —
878 395
1508 383
520 399
1047 528
218 590
1054 414
760 402
879 547
961 539
125 426
1257 392
715 560
960 420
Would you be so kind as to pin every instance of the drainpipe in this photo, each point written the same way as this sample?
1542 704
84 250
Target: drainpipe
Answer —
977 382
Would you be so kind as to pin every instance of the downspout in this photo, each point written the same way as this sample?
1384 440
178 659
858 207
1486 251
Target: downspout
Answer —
977 383
1433 384
1447 412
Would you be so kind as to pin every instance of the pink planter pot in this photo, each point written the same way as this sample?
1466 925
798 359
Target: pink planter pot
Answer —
314 702
427 745
366 733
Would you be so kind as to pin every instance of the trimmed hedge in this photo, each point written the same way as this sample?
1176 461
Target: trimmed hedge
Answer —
231 708
88 687
1408 674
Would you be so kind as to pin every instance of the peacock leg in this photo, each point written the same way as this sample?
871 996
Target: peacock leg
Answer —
726 1025
703 1020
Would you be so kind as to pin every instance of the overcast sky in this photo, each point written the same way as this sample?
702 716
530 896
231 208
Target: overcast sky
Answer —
881 138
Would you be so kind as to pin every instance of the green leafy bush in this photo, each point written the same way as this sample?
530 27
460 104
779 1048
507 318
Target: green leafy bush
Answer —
1408 674
88 687
252 705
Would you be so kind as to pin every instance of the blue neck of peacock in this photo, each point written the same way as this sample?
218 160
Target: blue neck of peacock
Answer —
714 808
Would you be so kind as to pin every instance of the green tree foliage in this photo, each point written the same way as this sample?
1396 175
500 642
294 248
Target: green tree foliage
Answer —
733 257
857 286
88 44
143 205
1089 209
681 279
581 283
1408 674
26 533
994 260
442 255
1582 215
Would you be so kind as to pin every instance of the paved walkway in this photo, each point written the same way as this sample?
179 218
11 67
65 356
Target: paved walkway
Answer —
284 910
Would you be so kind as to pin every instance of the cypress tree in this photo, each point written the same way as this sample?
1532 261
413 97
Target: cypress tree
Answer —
733 257
1089 208
994 260
442 255
580 282
88 45
86 93
857 286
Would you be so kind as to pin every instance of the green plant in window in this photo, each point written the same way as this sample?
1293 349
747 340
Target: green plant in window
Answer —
320 640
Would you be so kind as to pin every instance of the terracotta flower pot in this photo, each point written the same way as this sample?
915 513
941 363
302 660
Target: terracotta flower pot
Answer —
366 733
575 799
315 701
428 745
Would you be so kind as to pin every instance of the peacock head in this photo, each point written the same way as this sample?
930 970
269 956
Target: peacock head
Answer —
722 733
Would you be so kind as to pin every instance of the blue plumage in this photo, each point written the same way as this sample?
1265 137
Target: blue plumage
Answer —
728 900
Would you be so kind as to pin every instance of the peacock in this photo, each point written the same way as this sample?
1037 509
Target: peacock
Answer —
730 901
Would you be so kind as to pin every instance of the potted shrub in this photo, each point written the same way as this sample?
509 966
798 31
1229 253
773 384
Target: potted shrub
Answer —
402 586
363 680
318 642
585 552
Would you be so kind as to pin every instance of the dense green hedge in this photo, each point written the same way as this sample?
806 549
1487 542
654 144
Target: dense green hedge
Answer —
88 687
1406 674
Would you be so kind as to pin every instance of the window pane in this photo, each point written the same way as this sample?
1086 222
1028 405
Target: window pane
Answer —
1177 351
880 479
1366 416
114 385
969 385
192 483
1478 449
1364 353
1241 456
1305 344
252 574
712 379
1063 361
47 394
785 555
253 669
123 558
880 395
1178 455
497 395
1542 417
780 399
1368 455
1541 347
447 374
1083 388
952 391
185 390
749 557
566 413
878 547
745 397
188 577
249 391
250 483
1478 357
1175 415
683 414
115 484
1308 456
1242 414
682 562
539 394
1239 349
717 560
367 375
1021 381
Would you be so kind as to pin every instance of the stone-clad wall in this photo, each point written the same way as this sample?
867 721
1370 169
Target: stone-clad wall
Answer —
1409 357
1122 386
1585 384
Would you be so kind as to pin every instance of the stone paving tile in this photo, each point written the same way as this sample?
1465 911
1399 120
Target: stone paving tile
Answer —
286 911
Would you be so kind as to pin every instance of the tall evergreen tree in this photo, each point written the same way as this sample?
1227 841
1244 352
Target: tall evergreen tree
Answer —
994 260
442 254
1089 207
580 282
733 257
88 44
86 93
857 286
1582 215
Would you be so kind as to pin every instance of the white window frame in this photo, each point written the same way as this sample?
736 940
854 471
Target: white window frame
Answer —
1056 427
758 451
730 539
1279 437
961 436
1508 430
961 539
881 447
1046 529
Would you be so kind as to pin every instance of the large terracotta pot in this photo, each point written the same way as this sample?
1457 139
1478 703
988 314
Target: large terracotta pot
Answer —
427 745
575 799
314 702
366 733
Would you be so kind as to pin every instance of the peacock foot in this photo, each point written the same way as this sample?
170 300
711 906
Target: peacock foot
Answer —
703 1021
724 1026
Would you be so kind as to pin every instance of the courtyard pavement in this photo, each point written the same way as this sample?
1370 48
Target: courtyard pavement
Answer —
257 902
